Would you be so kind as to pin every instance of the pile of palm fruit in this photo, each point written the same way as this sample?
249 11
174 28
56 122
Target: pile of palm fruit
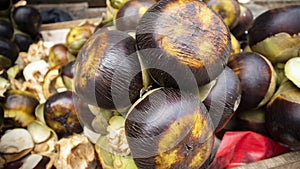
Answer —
152 86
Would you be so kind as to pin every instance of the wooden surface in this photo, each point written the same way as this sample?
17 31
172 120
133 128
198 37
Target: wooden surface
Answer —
91 3
285 161
76 10
69 24
57 32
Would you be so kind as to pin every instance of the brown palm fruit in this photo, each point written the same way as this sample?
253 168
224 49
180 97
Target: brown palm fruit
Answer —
282 115
183 44
20 106
167 129
275 33
257 77
224 98
60 114
107 70
129 14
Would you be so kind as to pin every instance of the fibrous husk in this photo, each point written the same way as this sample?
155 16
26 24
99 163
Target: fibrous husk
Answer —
15 144
75 152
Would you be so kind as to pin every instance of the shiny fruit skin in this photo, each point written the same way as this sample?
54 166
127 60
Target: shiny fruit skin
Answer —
224 98
77 33
67 74
23 41
281 42
257 77
21 100
20 106
58 55
185 39
253 120
9 50
84 114
169 129
60 114
107 70
275 21
6 29
244 22
283 115
130 13
27 19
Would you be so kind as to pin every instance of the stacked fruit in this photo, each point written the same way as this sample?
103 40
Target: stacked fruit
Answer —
133 88
38 123
157 88
152 88
270 93
19 27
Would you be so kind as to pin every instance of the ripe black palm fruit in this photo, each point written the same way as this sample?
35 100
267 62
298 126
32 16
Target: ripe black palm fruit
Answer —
23 41
8 53
27 19
6 29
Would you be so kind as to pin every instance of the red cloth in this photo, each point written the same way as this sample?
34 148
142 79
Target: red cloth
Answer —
240 148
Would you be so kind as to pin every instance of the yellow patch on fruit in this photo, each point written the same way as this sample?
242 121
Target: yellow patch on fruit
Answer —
142 10
185 131
192 38
77 32
90 58
202 153
235 45
177 131
165 160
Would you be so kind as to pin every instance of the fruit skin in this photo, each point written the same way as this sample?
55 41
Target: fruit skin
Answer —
78 32
224 98
67 74
84 114
179 56
244 22
252 120
282 40
229 10
19 106
9 50
27 19
76 38
107 70
169 129
283 115
60 114
129 14
274 21
235 45
58 55
23 41
257 77
6 29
